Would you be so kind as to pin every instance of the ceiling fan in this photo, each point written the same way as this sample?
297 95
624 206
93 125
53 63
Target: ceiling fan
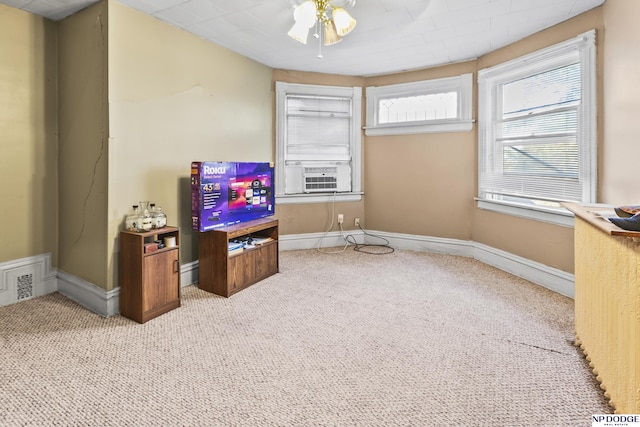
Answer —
329 18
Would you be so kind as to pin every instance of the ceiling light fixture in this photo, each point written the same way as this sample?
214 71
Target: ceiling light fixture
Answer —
330 19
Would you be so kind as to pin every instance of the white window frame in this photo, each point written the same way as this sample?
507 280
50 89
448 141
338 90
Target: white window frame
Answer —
462 85
581 47
355 93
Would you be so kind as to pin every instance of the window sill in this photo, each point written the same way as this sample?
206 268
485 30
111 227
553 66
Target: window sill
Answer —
560 216
286 199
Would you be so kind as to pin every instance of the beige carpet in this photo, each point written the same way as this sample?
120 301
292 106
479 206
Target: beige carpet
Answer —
406 339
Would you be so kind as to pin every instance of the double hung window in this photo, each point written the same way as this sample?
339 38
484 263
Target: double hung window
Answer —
537 136
318 142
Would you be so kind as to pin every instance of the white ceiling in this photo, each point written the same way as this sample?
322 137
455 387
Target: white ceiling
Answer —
391 35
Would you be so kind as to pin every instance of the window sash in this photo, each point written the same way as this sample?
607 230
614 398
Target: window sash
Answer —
428 114
427 107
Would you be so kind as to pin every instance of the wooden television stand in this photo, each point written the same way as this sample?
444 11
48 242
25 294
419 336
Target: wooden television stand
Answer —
225 274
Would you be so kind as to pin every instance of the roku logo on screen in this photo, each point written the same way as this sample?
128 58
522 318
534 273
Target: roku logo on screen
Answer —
210 170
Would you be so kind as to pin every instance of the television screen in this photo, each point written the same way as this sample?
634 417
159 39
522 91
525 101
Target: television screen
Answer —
249 193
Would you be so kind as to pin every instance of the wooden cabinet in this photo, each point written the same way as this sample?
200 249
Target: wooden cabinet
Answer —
149 277
225 274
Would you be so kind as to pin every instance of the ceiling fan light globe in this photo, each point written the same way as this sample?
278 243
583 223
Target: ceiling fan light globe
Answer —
330 34
305 14
299 33
344 22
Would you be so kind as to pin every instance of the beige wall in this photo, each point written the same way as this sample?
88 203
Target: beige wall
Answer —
421 184
83 145
620 183
28 128
175 98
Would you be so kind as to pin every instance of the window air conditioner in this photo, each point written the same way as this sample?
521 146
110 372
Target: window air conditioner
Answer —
315 178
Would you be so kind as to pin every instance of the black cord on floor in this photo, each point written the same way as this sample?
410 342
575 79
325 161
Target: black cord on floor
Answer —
364 247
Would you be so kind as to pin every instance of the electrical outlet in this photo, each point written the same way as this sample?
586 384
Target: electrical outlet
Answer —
340 218
356 222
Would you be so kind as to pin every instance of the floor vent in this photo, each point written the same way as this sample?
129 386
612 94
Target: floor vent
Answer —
26 278
24 286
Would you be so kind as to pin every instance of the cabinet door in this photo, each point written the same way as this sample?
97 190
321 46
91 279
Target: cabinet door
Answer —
161 280
267 261
241 271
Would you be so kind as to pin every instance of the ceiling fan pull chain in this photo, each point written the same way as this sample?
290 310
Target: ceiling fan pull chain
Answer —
320 42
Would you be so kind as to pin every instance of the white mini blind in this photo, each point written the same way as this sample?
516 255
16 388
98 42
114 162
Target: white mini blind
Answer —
537 143
318 128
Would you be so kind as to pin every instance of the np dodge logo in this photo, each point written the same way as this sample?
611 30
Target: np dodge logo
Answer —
615 420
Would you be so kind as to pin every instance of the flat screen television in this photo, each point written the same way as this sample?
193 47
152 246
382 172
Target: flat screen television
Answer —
227 193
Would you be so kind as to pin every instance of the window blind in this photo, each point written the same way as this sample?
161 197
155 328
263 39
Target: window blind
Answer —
318 128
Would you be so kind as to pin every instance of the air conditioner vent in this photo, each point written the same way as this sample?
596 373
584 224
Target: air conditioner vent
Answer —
320 183
321 178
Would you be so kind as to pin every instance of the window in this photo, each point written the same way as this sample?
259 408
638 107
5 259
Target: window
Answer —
440 105
318 137
536 133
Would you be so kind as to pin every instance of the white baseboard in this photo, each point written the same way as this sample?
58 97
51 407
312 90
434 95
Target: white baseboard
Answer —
439 245
106 303
290 242
189 274
45 280
551 278
95 298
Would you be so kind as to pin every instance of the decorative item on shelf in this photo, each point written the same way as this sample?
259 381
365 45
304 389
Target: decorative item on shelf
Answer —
169 242
150 248
627 211
133 220
629 223
329 17
158 218
628 217
146 216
